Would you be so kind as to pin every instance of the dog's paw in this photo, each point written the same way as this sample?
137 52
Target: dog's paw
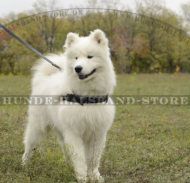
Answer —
25 159
96 178
81 179
100 179
24 162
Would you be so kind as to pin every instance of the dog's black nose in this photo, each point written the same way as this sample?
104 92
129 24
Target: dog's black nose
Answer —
78 69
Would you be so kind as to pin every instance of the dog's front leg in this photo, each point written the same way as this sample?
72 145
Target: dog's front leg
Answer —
75 149
93 151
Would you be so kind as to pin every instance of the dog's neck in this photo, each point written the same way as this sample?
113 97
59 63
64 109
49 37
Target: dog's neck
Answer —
93 87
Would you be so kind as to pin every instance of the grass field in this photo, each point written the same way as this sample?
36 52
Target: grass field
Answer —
147 143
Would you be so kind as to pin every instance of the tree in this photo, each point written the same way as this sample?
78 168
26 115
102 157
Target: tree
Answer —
48 25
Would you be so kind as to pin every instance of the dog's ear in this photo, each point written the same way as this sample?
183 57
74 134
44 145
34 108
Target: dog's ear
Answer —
71 38
99 36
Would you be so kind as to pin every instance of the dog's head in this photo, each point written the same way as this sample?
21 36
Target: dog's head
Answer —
87 56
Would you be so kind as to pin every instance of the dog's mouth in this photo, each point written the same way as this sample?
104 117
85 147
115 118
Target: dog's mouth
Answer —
84 76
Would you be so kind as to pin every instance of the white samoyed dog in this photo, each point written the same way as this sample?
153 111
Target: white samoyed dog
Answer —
81 127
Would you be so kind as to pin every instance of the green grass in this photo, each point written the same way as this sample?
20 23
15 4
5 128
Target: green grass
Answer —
146 144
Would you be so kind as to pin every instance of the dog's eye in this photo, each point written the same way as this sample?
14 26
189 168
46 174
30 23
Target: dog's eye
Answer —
89 57
76 58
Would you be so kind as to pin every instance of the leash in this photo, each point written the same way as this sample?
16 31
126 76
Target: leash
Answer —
29 46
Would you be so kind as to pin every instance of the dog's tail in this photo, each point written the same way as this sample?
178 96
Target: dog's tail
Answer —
44 68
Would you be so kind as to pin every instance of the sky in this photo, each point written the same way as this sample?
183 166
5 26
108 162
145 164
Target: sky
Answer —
16 6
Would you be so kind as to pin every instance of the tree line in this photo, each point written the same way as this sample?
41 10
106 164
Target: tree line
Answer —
154 39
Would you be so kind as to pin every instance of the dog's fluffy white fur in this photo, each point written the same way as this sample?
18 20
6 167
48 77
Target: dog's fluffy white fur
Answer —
81 130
